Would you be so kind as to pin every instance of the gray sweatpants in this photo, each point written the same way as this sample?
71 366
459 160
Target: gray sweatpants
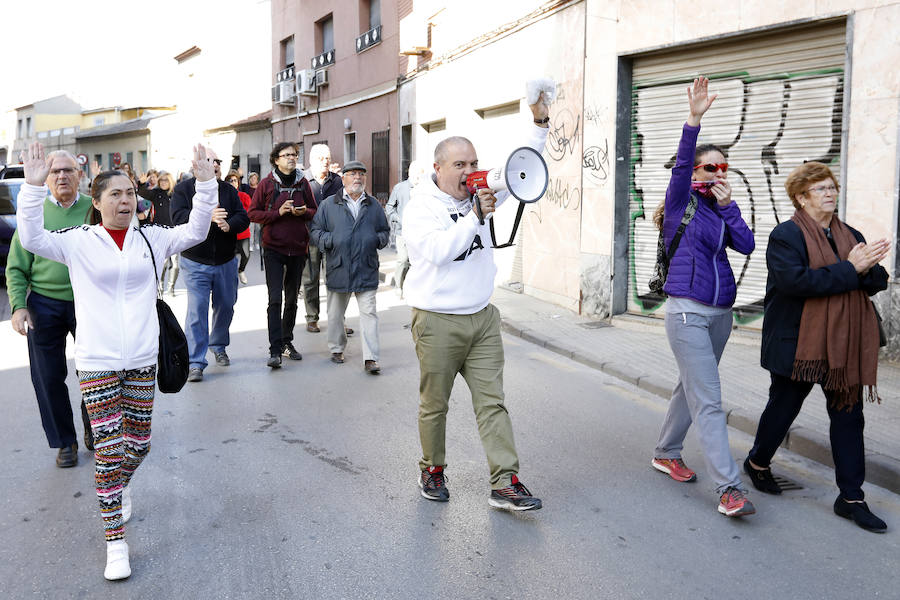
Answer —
697 341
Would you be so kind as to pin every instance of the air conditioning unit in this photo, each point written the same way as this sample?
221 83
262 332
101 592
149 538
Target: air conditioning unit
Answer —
306 82
321 77
285 93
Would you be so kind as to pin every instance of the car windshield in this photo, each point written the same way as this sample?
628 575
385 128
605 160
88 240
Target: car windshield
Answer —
13 173
8 193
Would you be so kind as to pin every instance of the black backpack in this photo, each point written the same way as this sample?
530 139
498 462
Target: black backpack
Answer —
661 270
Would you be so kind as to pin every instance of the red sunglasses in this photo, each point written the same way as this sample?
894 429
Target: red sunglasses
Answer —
713 167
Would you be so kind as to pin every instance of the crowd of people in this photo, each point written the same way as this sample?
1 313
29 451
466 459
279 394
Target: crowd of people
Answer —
819 326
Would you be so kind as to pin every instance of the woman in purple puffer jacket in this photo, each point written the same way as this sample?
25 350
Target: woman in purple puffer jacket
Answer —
701 290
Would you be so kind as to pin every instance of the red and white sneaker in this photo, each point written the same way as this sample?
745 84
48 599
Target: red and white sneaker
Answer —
514 497
733 503
674 468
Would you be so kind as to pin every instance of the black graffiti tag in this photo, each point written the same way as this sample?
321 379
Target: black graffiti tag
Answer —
559 193
596 161
565 132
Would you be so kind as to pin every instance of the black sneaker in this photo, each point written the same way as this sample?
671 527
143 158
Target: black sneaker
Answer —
274 361
514 497
291 352
222 359
434 484
762 478
859 513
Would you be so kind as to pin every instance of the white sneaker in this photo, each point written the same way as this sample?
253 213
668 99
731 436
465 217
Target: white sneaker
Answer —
242 277
126 504
117 565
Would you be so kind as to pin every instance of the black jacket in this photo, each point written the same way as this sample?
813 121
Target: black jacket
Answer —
332 185
219 246
162 212
791 282
350 245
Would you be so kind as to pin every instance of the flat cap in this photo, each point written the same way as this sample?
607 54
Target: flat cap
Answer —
353 165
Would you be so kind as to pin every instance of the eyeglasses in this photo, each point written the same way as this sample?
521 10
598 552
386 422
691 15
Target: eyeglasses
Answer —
217 161
821 190
67 171
288 155
713 167
356 173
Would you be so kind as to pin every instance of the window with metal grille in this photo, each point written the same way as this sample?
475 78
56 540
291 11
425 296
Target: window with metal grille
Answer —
381 161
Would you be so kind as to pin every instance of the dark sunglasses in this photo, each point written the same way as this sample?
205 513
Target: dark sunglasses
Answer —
217 161
713 167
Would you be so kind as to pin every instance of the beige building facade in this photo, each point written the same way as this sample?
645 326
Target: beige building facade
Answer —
809 80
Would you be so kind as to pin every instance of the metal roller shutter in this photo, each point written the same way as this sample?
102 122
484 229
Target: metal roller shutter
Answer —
780 103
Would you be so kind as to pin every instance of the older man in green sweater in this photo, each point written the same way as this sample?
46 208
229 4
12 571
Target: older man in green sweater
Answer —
40 297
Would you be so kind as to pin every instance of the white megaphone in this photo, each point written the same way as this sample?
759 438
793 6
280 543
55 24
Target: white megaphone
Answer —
524 176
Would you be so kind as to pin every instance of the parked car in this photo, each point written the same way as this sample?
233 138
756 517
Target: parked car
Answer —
16 171
9 190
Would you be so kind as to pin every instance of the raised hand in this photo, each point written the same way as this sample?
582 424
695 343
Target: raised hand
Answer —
202 165
540 110
699 100
37 167
95 169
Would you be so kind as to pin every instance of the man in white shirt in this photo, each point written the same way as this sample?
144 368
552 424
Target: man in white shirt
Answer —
454 326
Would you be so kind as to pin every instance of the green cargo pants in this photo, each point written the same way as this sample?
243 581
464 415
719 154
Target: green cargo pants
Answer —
471 346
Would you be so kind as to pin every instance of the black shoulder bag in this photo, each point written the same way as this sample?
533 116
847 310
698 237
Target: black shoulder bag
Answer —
173 362
661 270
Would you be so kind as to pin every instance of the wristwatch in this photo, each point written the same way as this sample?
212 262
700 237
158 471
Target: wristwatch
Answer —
542 121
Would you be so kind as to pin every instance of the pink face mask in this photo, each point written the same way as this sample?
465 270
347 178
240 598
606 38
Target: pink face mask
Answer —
703 188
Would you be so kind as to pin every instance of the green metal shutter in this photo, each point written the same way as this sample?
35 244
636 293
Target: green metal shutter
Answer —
780 103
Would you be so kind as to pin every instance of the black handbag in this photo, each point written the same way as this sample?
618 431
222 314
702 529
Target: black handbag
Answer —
173 361
661 270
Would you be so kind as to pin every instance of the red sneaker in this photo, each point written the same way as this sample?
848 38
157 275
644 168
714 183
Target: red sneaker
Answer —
674 468
733 503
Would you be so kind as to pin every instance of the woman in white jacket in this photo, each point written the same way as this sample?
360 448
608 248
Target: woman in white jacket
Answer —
114 286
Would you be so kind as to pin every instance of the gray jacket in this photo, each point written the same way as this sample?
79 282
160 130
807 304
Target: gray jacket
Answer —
350 245
396 203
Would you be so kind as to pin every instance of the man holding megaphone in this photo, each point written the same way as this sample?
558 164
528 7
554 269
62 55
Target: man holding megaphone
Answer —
454 326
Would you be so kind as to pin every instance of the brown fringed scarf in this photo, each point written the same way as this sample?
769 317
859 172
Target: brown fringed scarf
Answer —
838 341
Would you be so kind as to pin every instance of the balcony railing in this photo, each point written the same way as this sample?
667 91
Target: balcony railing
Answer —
286 74
323 60
368 39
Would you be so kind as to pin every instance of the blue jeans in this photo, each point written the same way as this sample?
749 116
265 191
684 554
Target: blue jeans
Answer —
202 280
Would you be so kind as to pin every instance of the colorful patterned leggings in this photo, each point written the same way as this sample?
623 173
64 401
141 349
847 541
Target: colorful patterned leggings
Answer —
120 405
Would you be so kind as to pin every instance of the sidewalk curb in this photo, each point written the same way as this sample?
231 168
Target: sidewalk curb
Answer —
881 470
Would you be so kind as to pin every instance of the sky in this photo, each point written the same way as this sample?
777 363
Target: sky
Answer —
109 53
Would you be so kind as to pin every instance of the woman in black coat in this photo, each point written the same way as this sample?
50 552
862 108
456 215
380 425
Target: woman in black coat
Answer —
820 327
160 198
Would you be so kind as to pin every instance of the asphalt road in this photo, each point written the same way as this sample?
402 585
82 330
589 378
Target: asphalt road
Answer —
301 483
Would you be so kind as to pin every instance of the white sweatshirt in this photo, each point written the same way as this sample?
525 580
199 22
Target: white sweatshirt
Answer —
451 270
115 290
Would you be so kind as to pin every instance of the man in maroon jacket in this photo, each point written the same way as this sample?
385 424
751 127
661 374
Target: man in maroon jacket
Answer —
284 205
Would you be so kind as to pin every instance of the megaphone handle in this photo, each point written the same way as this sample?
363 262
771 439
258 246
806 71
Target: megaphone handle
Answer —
476 204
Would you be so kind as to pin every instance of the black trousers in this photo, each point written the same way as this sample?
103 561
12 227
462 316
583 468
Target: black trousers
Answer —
786 397
283 282
52 321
